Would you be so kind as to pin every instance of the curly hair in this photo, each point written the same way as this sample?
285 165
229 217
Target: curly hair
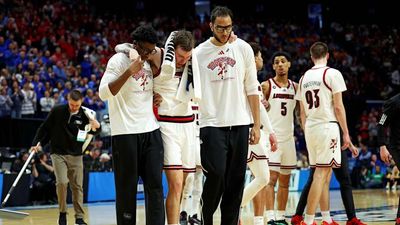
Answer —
145 33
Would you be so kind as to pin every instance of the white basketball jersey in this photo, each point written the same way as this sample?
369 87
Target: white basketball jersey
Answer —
195 109
316 90
282 103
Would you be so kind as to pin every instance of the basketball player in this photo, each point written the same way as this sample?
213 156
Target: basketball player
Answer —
343 176
229 104
177 127
257 158
391 110
321 112
136 138
279 92
193 186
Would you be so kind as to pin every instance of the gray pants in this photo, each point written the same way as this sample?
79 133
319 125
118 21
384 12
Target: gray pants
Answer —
68 168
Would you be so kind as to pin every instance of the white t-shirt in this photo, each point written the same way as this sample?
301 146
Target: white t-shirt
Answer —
316 90
170 106
131 109
228 75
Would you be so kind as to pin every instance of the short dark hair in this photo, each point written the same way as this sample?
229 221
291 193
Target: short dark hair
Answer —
280 53
75 95
145 33
184 39
318 50
220 11
256 47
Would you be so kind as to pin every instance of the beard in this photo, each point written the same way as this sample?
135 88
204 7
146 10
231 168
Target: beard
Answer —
219 40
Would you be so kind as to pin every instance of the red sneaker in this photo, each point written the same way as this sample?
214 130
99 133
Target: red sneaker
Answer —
355 221
398 221
326 223
296 220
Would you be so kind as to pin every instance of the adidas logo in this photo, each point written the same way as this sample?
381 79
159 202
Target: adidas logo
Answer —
221 52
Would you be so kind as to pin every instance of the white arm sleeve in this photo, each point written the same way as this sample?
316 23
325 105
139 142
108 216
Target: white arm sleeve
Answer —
264 118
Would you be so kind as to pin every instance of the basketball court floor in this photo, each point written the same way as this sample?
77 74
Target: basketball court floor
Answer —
374 207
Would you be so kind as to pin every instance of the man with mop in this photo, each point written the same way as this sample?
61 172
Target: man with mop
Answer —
66 129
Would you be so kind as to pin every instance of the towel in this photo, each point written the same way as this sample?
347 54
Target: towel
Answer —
168 65
189 87
90 114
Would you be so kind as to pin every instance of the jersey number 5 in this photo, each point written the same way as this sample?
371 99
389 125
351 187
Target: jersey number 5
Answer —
312 99
283 108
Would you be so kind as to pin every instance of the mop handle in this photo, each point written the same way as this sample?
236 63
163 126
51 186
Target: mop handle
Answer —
19 176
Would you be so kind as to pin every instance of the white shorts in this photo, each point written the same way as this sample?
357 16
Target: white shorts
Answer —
284 157
260 150
179 146
323 145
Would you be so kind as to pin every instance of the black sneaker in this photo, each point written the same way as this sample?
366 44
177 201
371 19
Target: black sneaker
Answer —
80 221
271 222
183 219
62 219
281 222
194 220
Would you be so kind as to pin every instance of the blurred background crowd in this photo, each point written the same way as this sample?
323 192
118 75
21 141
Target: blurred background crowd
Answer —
48 48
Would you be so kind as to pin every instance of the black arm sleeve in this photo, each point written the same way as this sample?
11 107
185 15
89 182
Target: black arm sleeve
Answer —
384 121
381 135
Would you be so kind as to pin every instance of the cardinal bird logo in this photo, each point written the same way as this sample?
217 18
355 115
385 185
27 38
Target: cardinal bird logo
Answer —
333 145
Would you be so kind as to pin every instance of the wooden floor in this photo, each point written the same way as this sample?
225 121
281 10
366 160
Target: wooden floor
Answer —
373 206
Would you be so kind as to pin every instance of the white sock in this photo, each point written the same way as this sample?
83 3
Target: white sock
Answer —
280 215
197 190
270 215
258 220
326 216
309 219
186 204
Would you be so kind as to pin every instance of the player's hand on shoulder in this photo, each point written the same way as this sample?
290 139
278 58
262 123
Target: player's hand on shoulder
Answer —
233 37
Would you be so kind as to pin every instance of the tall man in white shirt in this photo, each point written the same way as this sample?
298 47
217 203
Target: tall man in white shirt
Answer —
229 104
321 112
136 139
